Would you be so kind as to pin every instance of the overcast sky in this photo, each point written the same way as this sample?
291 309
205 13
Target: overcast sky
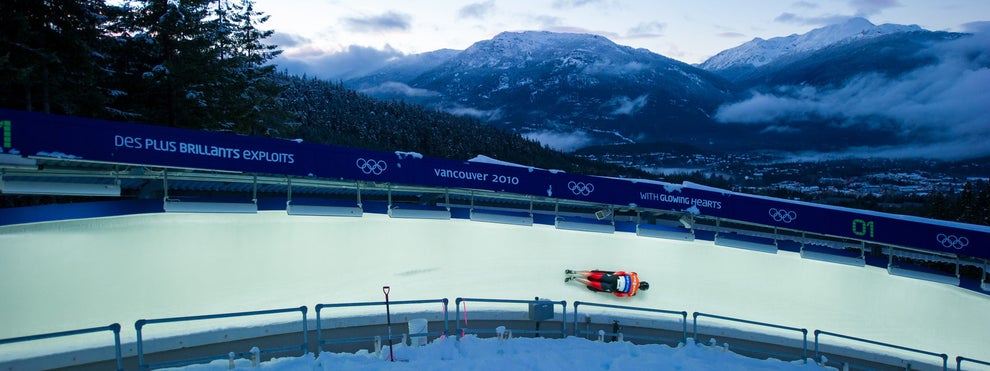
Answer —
324 32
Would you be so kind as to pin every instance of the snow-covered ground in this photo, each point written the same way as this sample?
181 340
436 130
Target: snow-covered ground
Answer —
78 274
472 353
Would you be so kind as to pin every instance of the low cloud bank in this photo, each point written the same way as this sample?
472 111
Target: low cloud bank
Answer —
565 142
944 103
398 88
623 105
301 57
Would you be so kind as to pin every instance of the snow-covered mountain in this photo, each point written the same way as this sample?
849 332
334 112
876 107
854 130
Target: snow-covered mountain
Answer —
759 52
790 93
835 65
566 89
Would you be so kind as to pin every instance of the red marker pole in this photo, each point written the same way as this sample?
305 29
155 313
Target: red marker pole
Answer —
388 318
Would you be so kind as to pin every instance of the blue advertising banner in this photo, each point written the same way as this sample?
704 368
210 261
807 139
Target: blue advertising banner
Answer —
898 230
32 134
52 136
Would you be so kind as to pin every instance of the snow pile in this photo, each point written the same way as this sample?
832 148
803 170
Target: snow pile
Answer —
488 160
572 353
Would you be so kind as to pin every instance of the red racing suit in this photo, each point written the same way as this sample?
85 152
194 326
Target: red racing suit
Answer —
621 284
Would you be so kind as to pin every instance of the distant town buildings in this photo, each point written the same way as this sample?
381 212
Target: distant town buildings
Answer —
880 178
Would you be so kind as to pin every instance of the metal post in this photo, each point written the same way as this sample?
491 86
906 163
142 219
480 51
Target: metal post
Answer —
530 206
358 190
165 187
388 319
116 341
140 345
890 257
718 227
288 192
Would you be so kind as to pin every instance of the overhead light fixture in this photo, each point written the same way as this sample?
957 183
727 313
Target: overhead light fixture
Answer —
316 210
603 213
178 206
912 268
396 211
585 227
670 233
746 242
15 161
520 218
829 254
334 208
23 187
424 210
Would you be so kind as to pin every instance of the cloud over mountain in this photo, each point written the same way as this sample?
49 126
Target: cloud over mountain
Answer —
939 110
353 61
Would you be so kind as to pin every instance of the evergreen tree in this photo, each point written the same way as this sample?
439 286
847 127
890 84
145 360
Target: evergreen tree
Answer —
126 55
938 206
198 64
51 55
248 90
174 78
982 207
966 205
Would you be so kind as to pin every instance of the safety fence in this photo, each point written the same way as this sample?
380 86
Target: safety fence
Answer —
115 328
960 360
320 342
139 327
577 331
804 332
819 333
540 310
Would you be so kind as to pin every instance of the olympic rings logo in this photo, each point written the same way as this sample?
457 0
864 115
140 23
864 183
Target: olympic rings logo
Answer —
370 166
781 215
581 188
948 240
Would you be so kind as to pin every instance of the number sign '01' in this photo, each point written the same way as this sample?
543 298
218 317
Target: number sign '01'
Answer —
862 228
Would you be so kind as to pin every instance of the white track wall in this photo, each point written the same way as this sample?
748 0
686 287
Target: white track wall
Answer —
77 274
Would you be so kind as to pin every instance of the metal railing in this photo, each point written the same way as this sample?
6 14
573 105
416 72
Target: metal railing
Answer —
804 332
683 314
943 356
961 359
320 342
139 325
462 330
115 328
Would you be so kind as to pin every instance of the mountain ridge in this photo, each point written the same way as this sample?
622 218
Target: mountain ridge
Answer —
759 52
570 91
582 86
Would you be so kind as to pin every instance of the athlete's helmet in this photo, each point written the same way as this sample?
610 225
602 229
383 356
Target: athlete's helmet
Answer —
644 285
